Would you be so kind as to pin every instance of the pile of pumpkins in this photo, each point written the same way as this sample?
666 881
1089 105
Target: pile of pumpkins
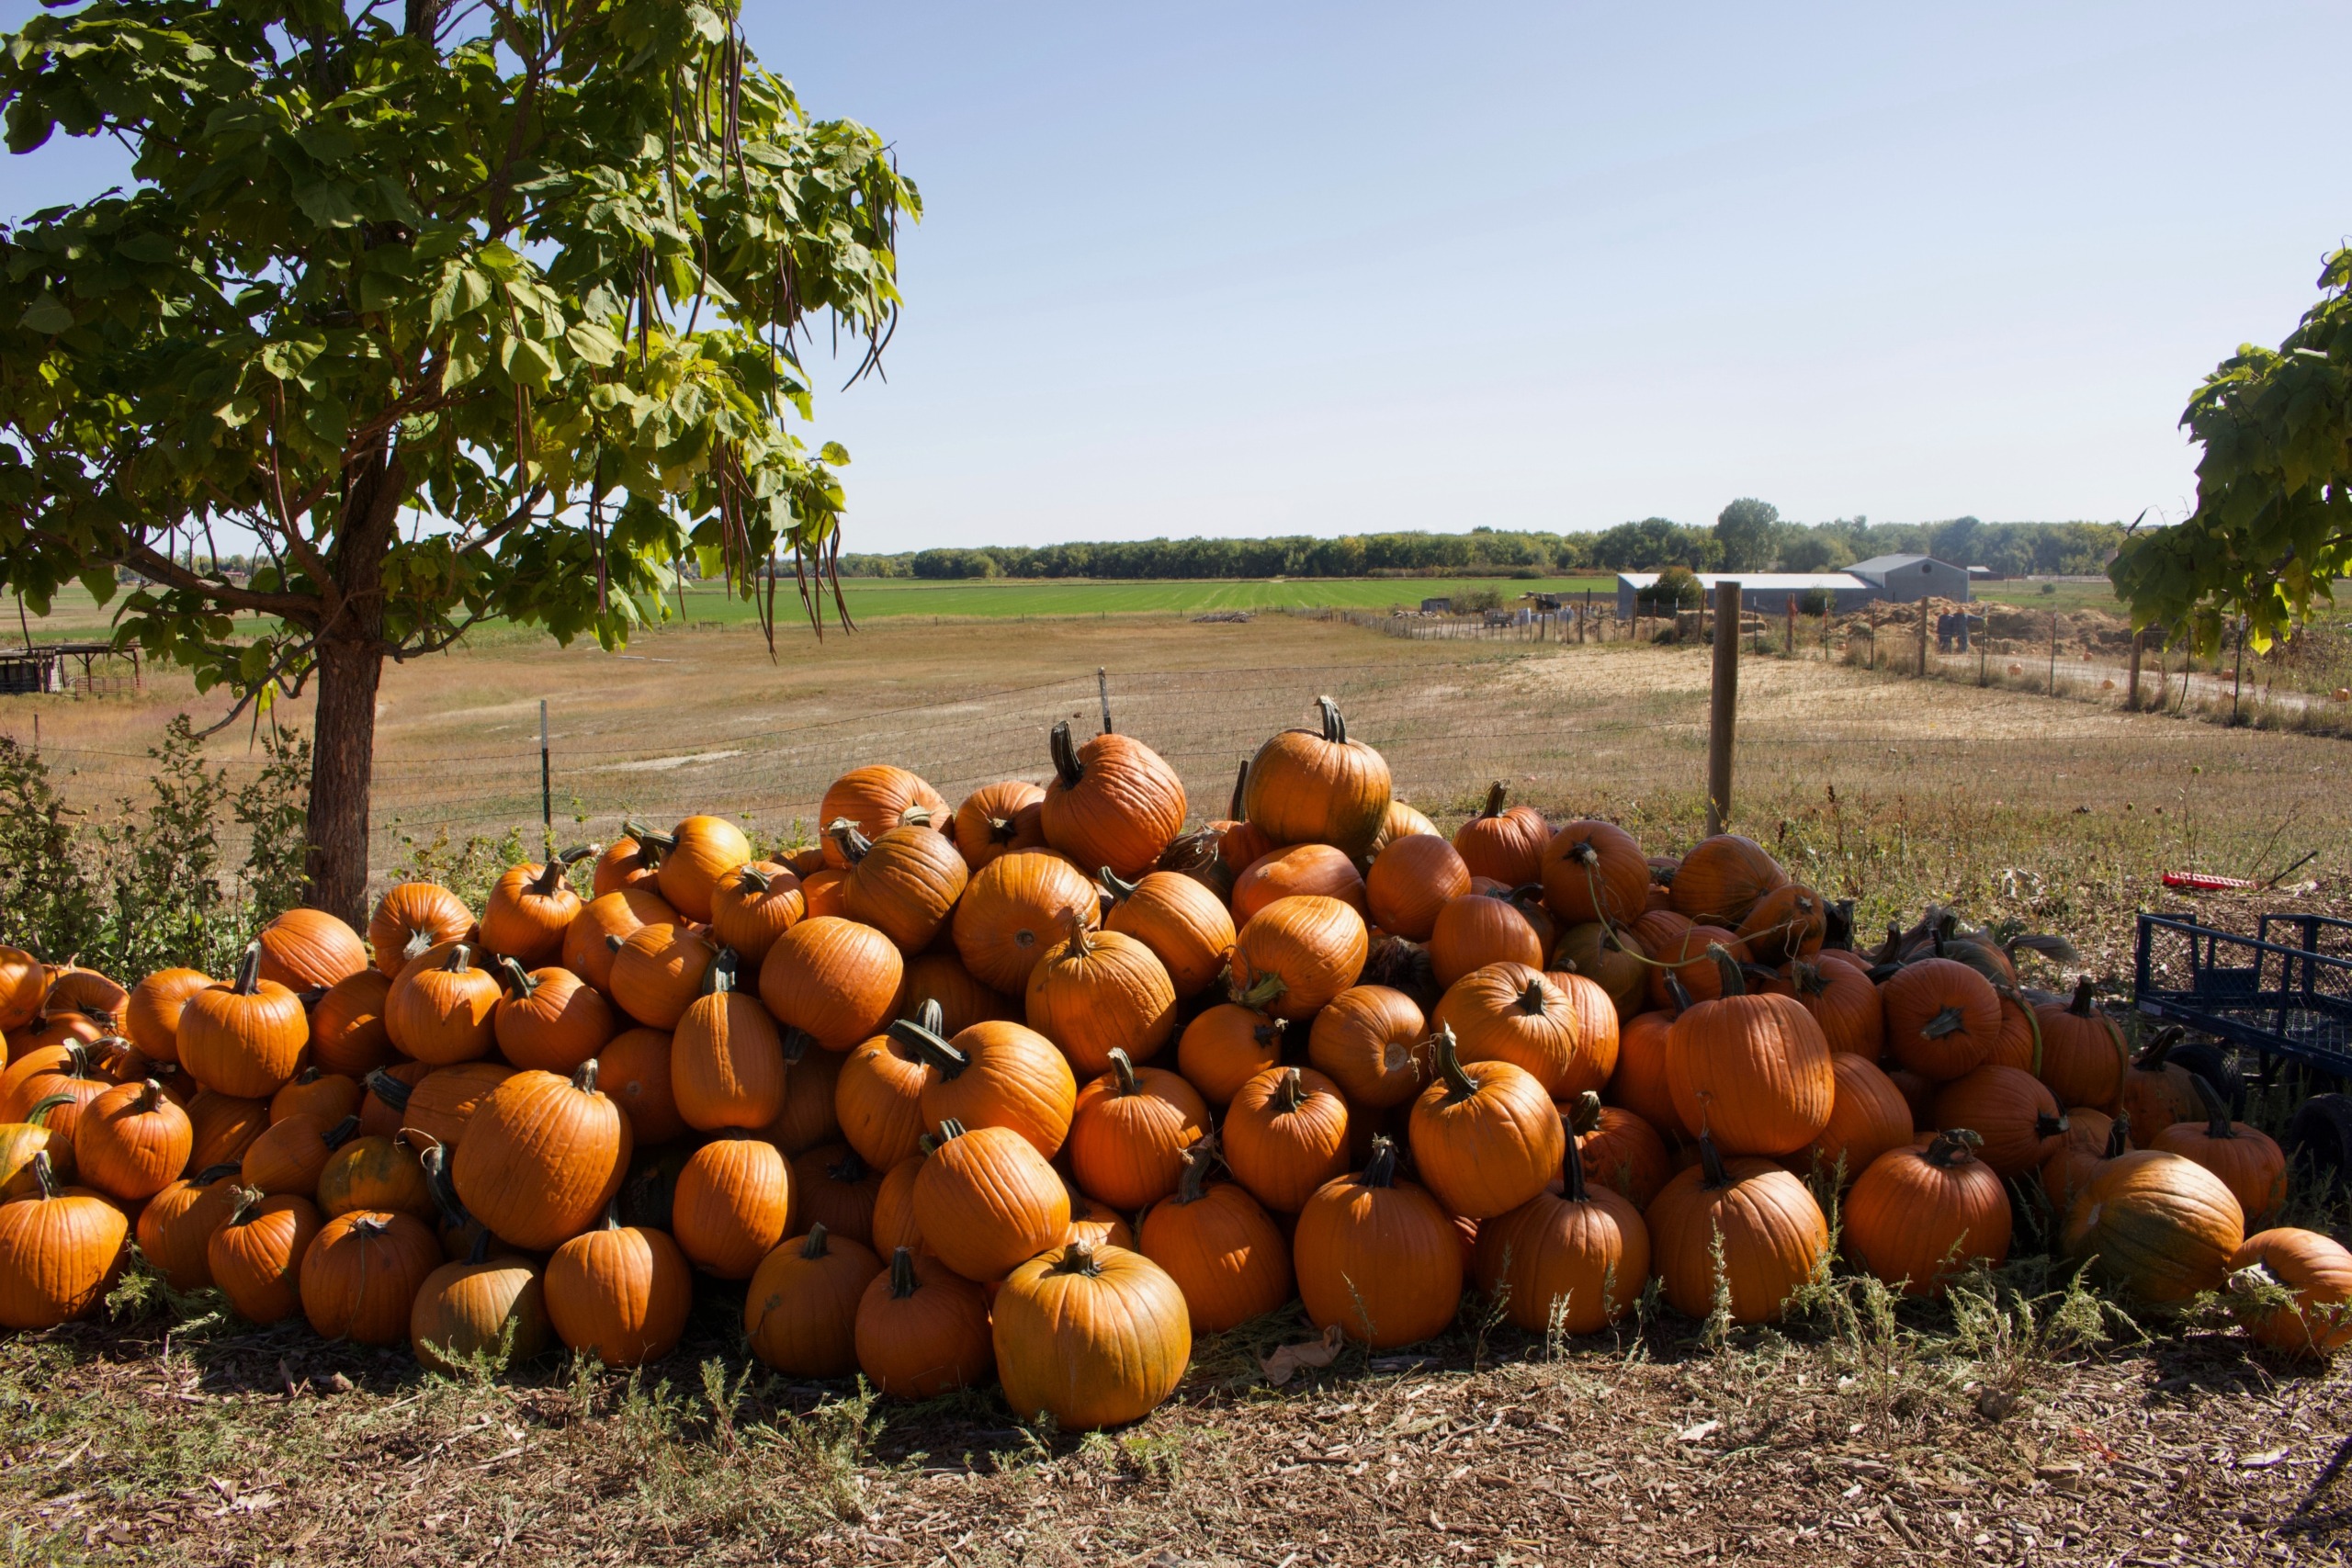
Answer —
1036 1088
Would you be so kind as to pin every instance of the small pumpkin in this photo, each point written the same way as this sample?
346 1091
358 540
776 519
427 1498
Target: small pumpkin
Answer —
1012 912
695 855
833 1187
347 1032
1485 1136
1093 1337
1639 1082
2247 1159
1752 1070
1410 881
1185 926
2020 1125
834 978
941 979
175 1225
1570 1264
60 1253
1226 1254
549 1018
1785 924
622 1291
1302 870
2160 1225
1722 878
1943 1019
604 923
726 1058
2158 1091
1285 1134
904 884
23 986
480 1309
151 1017
1761 1224
361 1273
879 798
2316 1272
1619 1149
2092 1139
255 1255
1685 959
657 973
2083 1053
529 909
223 1127
877 1096
1317 786
291 1156
1379 1257
921 1330
1594 871
631 860
754 904
1370 1042
1920 1214
1504 842
131 1141
439 1008
1843 1001
812 1076
728 1207
1227 1046
244 1038
305 950
1094 992
1113 801
325 1098
542 1157
1129 1133
997 818
986 1198
800 1312
1294 956
412 917
378 1173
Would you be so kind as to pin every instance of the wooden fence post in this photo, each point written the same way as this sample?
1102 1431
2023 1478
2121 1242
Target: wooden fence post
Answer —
2131 688
1792 626
1923 639
1723 708
2053 653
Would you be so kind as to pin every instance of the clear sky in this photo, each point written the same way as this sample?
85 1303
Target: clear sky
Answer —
1276 268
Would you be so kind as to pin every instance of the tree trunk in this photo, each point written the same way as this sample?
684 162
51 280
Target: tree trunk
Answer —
342 764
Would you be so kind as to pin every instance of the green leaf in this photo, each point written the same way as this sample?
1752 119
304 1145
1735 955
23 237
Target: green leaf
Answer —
328 204
47 313
834 452
593 342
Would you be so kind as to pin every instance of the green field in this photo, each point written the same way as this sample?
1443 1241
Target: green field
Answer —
874 598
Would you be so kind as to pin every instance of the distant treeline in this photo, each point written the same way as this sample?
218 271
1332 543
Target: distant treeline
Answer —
2013 549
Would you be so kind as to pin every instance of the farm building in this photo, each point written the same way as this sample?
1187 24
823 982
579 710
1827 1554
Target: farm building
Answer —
1768 591
1907 578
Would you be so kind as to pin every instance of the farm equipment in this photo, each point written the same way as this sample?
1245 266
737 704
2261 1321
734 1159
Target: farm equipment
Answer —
2282 997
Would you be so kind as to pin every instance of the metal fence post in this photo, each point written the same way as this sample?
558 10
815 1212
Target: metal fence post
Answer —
1923 639
2053 653
546 781
1723 708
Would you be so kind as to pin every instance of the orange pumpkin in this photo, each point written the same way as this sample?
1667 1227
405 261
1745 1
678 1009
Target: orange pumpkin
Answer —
23 986
60 1253
604 923
244 1038
1743 1228
726 1059
1317 786
223 1127
151 1017
412 917
1843 1001
439 1008
1504 844
347 1032
1292 956
921 1331
1379 1257
1226 1046
800 1312
962 1001
2247 1159
657 971
1370 1042
1094 992
879 798
877 1096
997 818
811 1077
834 979
695 855
1684 961
1112 804
1184 923
1640 1084
550 1019
1512 1013
1722 878
1013 909
1479 928
2092 1139
542 1157
1751 1070
1285 1134
622 1291
633 859
1571 1264
2157 1225
1129 1133
1594 872
2083 1053
1316 869
529 909
1868 1116
754 904
833 1188
903 884
1785 924
2158 1091
1619 1149
1919 1215
994 1074
1091 1338
1410 881
175 1225
1225 1253
729 1204
2019 1126
361 1273
986 1200
1485 1138
2316 1271
255 1255
130 1143
1943 1019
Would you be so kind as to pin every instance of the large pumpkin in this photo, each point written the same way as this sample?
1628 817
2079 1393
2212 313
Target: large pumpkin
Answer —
1720 879
834 978
305 950
921 1330
1130 1132
1227 1046
542 1157
529 909
986 1198
440 1008
1220 1247
622 1291
2083 1053
1014 908
131 1141
1095 992
657 971
244 1038
361 1273
1093 1337
1745 1230
1112 804
1751 1070
726 1058
2158 1224
550 1019
1317 786
1510 1012
2314 1271
729 1206
1570 1264
1921 1214
877 798
1943 1019
1594 871
1372 1042
1485 1138
903 884
1378 1257
60 1252
992 1075
412 917
754 904
1292 956
1285 1134
2020 1126
1184 923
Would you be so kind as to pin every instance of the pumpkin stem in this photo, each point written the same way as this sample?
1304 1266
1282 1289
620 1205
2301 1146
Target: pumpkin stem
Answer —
419 943
1711 1160
1081 942
855 845
392 1091
653 839
1124 1068
1583 853
1531 996
1288 1094
924 1039
1257 993
1583 1116
2152 1060
583 1078
1572 1185
751 876
612 1214
1496 793
1735 982
518 978
460 959
1954 1145
1267 1031
1948 1021
902 1273
1233 806
796 1042
1117 891
2081 1006
341 1132
915 817
723 973
2217 1110
1459 1085
42 1175
1380 1170
1000 829
814 1248
2119 1137
1189 1187
1335 728
248 1199
2048 1126
852 1170
1677 995
248 969
39 1115
1065 755
548 878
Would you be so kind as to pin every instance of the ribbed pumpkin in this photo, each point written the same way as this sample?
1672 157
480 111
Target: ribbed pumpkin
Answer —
1599 1032
73 1070
542 1157
1094 992
1184 923
894 1205
1759 1220
1752 1070
175 1225
130 1143
1093 1337
375 1173
60 1253
1378 1257
440 1005
477 1309
1920 1214
1685 961
1479 928
2247 1159
23 985
1301 871
1113 801
255 1255
695 855
223 1127
1594 871
986 1200
633 859
529 909
921 1330
1410 881
1014 908
1510 1012
1639 1084
1943 1019
27 1135
1570 1264
1226 1046
604 923
879 798
1226 1254
1485 1138
997 818
151 1017
994 1075
2158 1091
412 916
1130 1130
1868 1116
1506 843
2158 1224
2315 1271
1292 956
1285 1134
834 978
1722 878
2083 1053
244 1038
800 1311
1370 1042
1843 1001
361 1274
962 1001
1785 924
2019 1043
291 1156
622 1291
808 1118
325 1098
728 1207
2092 1139
726 1057
1317 786
833 1187
2019 1125
549 1018
877 1095
657 971
904 884
1619 1149
754 904
440 1105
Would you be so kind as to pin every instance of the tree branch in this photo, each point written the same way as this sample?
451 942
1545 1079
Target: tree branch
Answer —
144 559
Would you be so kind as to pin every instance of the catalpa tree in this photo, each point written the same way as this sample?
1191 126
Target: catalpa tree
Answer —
2272 530
463 310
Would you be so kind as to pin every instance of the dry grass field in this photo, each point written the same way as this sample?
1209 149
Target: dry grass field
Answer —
2035 1428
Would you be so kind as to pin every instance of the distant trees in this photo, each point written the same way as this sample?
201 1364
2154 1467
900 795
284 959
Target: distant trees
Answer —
1744 531
1815 550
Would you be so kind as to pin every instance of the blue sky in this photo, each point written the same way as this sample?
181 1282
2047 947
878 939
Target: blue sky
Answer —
1284 268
